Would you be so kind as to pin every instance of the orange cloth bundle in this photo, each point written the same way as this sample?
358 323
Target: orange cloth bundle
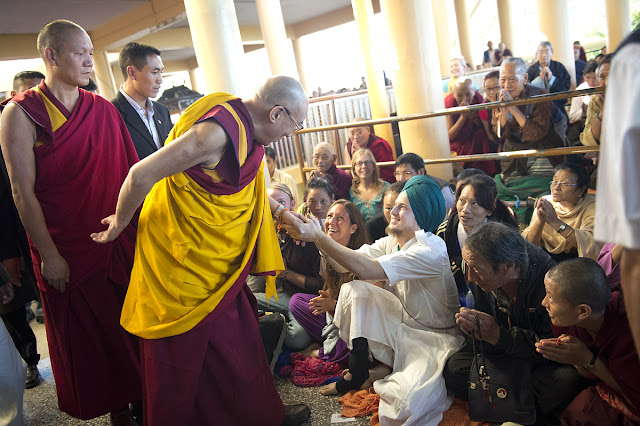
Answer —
359 403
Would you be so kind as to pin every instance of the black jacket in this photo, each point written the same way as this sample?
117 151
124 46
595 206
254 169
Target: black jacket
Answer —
140 135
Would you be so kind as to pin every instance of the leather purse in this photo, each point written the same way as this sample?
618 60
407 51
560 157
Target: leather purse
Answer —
500 388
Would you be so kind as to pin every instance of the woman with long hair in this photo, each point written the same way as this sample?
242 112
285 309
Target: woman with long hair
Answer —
367 188
344 223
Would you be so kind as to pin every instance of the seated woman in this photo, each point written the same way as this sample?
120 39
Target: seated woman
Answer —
476 202
318 196
363 138
367 188
377 225
302 274
345 225
562 223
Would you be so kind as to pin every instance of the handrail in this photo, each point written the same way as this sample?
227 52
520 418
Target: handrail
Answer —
525 153
457 110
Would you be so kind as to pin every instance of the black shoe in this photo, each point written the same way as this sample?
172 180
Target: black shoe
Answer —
296 414
33 377
272 330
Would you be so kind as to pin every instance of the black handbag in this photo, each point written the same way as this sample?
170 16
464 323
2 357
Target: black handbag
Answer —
500 388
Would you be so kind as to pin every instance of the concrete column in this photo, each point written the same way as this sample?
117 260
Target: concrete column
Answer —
298 54
193 78
618 22
553 18
216 39
507 33
104 76
464 33
443 34
417 83
275 38
363 13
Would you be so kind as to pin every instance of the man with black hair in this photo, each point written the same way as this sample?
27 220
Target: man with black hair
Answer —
25 80
148 122
594 336
506 278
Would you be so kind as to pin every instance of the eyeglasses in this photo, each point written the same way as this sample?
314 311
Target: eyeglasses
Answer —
561 185
298 126
363 163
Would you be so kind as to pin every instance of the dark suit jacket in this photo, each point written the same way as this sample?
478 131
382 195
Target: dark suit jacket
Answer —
140 135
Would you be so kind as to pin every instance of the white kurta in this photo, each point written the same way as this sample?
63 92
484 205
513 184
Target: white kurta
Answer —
410 327
13 372
618 200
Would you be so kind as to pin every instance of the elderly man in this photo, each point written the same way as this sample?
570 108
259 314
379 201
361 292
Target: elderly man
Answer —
409 165
278 176
324 160
506 275
409 325
67 153
489 57
205 225
469 131
549 74
525 126
362 137
594 336
590 135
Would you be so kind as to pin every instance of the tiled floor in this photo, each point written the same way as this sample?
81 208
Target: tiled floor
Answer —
41 408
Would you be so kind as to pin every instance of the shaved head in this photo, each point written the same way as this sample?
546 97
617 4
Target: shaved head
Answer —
324 147
463 91
282 90
463 84
53 35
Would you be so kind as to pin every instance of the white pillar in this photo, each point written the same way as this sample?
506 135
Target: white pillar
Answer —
553 18
363 13
417 83
443 34
193 78
618 22
278 46
298 53
507 34
464 34
104 76
216 40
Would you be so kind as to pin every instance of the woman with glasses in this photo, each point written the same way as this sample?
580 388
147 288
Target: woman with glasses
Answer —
562 223
476 203
363 138
367 188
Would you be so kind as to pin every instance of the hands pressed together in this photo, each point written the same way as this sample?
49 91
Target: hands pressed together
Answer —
546 213
565 350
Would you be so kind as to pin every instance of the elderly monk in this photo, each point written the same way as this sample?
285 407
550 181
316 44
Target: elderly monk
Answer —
205 225
57 141
469 131
362 137
409 324
324 160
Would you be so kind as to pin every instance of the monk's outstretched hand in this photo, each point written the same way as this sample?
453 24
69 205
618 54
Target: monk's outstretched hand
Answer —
111 233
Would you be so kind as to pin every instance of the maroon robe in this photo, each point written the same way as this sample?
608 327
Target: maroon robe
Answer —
381 152
79 171
614 346
340 181
217 373
472 139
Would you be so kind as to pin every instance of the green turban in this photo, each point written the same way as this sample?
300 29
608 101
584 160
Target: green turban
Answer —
427 202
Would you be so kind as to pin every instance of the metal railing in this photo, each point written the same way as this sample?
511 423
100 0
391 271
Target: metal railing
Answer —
450 111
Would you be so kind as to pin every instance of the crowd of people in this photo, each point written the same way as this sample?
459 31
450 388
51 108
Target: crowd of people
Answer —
171 280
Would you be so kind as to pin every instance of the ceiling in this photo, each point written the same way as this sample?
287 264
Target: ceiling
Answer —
28 16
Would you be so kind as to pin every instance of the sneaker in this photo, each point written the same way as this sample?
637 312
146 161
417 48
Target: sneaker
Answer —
272 330
33 377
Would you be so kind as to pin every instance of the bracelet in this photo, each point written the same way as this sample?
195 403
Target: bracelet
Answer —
276 214
598 116
282 212
592 363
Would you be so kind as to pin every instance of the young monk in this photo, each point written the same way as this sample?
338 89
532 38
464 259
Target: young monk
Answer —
594 336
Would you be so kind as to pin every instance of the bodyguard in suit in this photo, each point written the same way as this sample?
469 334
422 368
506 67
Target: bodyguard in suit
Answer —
148 122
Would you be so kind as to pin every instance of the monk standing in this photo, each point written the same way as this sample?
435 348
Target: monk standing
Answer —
67 153
205 225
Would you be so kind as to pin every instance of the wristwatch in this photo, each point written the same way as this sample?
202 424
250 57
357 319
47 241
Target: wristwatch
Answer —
592 363
562 228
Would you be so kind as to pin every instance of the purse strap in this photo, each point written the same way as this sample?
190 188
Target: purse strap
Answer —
483 374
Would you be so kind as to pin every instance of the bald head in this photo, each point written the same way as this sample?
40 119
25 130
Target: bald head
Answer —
53 35
282 90
324 157
463 91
